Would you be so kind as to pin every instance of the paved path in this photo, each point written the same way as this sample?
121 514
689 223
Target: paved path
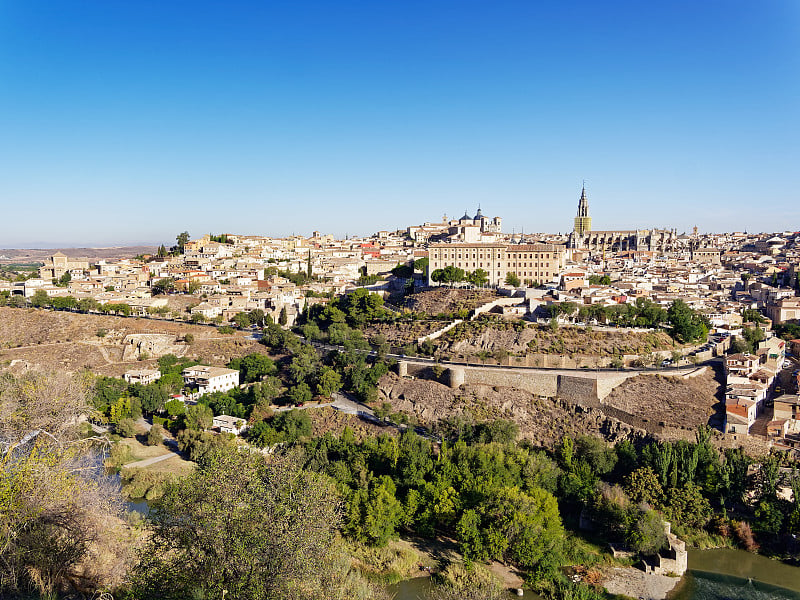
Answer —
150 461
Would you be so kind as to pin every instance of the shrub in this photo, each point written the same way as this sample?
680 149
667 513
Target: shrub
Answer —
156 435
126 428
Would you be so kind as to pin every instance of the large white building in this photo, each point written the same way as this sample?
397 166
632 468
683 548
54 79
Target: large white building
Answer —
210 379
541 263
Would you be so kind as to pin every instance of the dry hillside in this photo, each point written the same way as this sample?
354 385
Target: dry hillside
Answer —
522 338
673 400
446 300
73 341
542 421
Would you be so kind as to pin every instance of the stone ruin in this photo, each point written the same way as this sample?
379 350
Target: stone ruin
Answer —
152 345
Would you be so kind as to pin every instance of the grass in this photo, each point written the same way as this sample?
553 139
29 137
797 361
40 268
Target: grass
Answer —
392 563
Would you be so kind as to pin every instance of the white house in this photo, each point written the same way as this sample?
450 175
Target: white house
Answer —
228 424
210 379
143 376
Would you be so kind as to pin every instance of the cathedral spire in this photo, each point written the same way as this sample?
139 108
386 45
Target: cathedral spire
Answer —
583 222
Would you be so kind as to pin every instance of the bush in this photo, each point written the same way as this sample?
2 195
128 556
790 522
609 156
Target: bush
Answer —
126 428
188 338
155 436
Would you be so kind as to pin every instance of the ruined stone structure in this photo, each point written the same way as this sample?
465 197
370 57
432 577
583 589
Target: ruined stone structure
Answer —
152 344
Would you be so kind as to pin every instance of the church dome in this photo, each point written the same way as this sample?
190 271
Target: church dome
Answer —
478 215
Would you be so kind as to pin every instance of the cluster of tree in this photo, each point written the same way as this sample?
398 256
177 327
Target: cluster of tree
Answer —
599 280
254 317
355 310
749 339
788 330
63 281
221 239
451 274
684 323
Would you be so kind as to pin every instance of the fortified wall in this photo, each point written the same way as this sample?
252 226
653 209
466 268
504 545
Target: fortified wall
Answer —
583 388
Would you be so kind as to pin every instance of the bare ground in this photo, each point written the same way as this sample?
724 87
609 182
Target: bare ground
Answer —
542 421
673 400
522 338
70 341
446 300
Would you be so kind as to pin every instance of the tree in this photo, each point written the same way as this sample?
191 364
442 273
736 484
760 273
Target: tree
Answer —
512 279
686 325
642 485
155 437
53 515
328 382
175 408
199 417
182 239
403 271
299 394
162 251
163 286
478 277
294 423
646 533
283 317
126 427
40 299
421 264
253 367
257 529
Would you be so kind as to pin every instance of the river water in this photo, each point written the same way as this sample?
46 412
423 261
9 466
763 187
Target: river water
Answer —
721 574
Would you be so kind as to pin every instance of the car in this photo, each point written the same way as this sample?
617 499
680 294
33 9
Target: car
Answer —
666 363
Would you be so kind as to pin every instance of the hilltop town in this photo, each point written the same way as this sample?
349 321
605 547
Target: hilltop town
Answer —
646 381
744 285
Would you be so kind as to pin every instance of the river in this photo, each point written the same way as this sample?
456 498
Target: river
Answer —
721 574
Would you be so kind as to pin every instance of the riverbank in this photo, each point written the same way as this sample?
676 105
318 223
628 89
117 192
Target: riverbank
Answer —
630 581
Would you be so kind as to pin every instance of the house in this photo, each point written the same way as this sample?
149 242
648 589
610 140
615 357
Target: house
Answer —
741 365
142 376
228 424
210 379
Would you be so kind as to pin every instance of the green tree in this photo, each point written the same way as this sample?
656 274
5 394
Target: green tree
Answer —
155 437
478 277
293 423
686 325
283 317
243 526
175 408
40 299
163 286
328 382
299 394
182 239
512 279
646 533
642 485
253 367
199 417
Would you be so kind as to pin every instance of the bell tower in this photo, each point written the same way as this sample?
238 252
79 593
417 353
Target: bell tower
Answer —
582 221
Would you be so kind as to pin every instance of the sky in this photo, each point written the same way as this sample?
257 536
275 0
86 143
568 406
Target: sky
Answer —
125 122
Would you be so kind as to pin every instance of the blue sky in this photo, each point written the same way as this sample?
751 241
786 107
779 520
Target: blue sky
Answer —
130 121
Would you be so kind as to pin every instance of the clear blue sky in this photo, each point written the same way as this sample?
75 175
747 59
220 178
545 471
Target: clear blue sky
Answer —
130 121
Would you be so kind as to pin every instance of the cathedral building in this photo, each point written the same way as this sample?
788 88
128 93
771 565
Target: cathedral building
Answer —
622 240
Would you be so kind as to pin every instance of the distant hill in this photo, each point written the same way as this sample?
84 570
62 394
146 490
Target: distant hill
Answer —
16 255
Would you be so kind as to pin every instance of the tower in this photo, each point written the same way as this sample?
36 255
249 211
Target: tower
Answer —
582 222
